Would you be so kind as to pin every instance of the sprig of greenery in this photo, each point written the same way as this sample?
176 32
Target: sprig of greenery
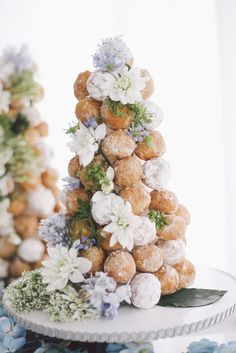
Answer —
158 218
20 124
23 85
149 141
142 116
72 129
95 174
116 108
6 125
84 214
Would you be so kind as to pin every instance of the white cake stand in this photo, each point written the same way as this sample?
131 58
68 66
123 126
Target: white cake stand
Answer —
135 325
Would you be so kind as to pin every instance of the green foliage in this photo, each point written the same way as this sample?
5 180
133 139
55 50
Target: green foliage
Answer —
6 125
141 114
72 129
20 124
22 85
96 174
149 141
158 218
29 293
116 108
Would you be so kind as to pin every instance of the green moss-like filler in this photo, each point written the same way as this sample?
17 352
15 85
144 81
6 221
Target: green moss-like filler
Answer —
149 141
94 175
142 116
158 218
6 125
72 129
68 305
117 108
25 160
84 214
28 293
22 85
20 124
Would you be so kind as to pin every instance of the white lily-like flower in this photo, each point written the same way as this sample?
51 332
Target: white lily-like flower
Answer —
123 225
4 99
62 266
85 142
126 86
108 185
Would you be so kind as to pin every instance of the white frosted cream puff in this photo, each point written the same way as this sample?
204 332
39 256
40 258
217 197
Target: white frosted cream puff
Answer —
173 250
145 290
156 173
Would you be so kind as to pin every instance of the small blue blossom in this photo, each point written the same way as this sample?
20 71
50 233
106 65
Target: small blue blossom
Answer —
203 346
138 133
20 59
12 337
71 183
110 305
55 230
227 348
91 122
84 243
112 54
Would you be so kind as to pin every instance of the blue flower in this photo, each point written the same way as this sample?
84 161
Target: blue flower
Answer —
91 122
203 346
227 348
84 243
138 133
138 348
20 59
55 230
112 54
72 183
115 347
12 337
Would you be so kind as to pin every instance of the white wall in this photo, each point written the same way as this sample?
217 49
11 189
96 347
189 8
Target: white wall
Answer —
178 42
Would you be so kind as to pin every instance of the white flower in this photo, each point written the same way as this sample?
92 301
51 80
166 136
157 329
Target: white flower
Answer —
85 142
102 206
62 266
145 233
124 293
98 84
108 185
33 116
6 70
6 185
4 100
155 114
126 86
123 225
6 218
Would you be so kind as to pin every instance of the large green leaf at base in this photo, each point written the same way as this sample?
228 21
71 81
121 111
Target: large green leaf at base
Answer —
192 297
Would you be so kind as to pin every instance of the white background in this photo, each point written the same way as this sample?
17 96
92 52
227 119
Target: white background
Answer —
189 47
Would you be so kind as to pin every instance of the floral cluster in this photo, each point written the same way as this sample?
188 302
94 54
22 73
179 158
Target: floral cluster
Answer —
25 170
207 346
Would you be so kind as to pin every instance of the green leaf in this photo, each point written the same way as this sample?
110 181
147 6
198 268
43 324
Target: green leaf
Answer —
191 297
149 141
158 218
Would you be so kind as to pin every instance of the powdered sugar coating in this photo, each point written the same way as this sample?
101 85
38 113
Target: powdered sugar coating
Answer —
102 206
173 250
148 258
145 290
120 265
145 233
156 173
31 250
41 202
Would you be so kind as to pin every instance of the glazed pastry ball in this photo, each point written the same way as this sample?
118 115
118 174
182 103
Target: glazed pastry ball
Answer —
149 89
187 273
151 148
169 279
50 177
87 178
96 256
173 250
175 229
17 205
183 212
32 135
148 258
26 226
117 145
138 197
41 202
33 183
156 173
43 129
80 229
6 248
31 250
72 197
145 290
128 172
122 120
87 108
4 269
105 243
17 267
120 265
74 166
164 201
80 85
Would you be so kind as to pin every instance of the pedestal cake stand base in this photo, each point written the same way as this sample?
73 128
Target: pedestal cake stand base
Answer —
135 325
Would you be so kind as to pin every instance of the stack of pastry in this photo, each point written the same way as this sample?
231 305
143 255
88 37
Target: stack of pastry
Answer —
119 170
28 190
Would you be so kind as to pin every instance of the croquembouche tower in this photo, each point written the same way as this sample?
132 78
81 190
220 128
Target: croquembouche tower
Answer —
28 189
121 236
